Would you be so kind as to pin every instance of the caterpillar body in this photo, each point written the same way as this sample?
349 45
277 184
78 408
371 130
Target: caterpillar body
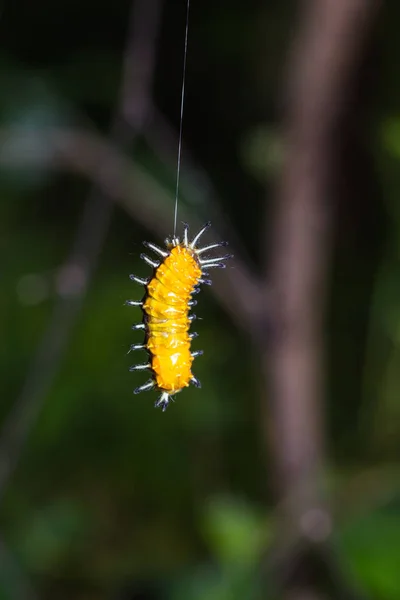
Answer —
166 308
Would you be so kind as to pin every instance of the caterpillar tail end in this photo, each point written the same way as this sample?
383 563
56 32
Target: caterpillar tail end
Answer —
163 401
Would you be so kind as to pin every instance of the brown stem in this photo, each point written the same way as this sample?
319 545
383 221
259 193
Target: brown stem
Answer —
325 56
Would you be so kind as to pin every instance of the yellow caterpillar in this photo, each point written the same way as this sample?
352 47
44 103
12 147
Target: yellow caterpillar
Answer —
166 305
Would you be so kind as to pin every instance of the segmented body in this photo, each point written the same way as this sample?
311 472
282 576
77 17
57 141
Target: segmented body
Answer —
166 318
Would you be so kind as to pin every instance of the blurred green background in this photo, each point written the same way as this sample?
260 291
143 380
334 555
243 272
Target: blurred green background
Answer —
109 497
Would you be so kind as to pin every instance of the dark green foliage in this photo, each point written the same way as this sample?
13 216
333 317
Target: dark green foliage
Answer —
109 493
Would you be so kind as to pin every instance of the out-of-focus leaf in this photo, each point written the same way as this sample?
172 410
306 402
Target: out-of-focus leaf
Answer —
46 538
370 546
25 153
263 152
234 531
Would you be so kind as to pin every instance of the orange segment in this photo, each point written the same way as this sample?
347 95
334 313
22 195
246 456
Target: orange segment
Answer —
167 310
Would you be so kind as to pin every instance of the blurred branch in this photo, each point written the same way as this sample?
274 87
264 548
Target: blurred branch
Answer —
79 267
142 197
326 54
